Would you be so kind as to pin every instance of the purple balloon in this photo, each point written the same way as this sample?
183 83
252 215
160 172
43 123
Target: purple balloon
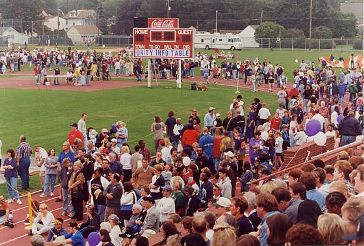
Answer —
313 127
340 118
94 238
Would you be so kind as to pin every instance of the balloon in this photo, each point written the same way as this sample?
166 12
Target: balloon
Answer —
186 161
313 127
264 135
94 238
340 118
320 139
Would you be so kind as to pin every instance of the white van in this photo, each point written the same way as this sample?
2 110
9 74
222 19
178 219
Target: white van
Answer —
206 40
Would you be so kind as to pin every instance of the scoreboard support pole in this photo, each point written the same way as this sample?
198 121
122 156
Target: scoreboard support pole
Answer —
149 73
179 75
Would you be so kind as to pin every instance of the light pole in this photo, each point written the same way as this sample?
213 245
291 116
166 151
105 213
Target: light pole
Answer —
216 20
309 44
168 8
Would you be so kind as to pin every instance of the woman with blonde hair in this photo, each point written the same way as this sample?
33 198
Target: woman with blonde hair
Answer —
340 186
224 234
125 160
332 228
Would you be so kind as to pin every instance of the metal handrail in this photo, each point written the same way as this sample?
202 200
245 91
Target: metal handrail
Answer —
320 156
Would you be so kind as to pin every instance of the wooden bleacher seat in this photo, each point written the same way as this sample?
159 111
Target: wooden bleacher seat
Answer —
296 155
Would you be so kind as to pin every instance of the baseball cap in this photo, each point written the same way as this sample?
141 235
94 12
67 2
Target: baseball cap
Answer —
74 125
224 202
218 114
211 108
114 140
104 130
229 153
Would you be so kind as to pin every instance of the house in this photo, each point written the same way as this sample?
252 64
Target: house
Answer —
10 36
52 23
82 17
83 34
247 37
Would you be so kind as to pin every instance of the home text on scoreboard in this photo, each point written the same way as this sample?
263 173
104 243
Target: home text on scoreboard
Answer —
163 43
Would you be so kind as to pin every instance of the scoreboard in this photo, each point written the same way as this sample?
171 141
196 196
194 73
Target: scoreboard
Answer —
163 43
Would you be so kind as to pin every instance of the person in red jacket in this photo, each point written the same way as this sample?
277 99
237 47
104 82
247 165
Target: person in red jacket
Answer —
75 134
275 122
189 136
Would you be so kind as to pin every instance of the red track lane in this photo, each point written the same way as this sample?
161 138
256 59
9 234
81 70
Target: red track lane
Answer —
19 235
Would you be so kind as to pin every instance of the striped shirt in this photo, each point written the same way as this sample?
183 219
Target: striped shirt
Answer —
24 150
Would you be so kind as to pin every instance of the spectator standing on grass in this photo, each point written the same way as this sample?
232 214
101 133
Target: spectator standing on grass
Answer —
11 176
23 153
81 126
157 128
51 171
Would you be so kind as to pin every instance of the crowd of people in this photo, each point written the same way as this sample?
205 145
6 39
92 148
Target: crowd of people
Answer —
199 188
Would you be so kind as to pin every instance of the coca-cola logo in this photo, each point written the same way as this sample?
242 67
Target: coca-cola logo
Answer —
162 24
166 23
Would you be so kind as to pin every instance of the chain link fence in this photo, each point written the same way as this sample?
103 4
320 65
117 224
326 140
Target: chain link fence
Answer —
127 41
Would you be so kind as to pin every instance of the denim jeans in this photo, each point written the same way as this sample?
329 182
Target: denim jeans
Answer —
11 183
347 140
101 211
67 201
235 73
50 181
24 164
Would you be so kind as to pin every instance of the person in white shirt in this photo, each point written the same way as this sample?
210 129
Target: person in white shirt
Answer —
300 137
81 126
320 118
45 217
278 150
115 230
41 156
330 131
263 114
166 204
125 160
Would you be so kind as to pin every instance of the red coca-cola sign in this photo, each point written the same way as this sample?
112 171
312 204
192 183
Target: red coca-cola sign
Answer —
164 23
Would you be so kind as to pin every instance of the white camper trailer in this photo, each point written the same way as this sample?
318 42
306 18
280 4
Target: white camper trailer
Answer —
206 40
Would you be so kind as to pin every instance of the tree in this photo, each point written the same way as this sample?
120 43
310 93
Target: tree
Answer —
100 19
293 33
29 11
269 30
322 32
343 25
153 8
126 11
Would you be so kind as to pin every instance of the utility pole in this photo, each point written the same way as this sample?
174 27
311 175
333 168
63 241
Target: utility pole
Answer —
309 44
261 17
31 34
216 20
168 8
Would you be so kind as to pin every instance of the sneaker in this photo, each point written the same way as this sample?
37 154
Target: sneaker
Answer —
42 195
19 202
58 199
30 233
52 194
63 213
10 200
72 215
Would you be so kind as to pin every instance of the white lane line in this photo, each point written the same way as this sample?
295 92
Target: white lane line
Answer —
22 221
50 199
14 239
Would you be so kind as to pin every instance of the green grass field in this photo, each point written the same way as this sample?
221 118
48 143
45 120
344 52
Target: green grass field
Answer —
44 116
